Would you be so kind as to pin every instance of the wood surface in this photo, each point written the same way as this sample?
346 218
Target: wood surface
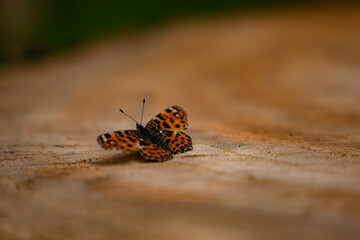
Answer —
273 101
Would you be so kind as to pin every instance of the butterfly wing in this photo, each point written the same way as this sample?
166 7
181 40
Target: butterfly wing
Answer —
171 118
177 141
125 140
151 152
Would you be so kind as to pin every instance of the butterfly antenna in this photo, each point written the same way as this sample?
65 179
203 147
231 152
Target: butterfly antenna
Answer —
142 112
127 115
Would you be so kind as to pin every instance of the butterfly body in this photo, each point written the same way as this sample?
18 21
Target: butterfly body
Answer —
153 136
159 140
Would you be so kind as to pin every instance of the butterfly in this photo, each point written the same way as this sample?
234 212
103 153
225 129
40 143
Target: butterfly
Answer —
159 140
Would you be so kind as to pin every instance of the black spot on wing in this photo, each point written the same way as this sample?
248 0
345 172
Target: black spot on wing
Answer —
120 133
100 140
177 108
165 125
161 117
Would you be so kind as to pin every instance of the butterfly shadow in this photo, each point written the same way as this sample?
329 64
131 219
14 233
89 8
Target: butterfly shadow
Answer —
119 159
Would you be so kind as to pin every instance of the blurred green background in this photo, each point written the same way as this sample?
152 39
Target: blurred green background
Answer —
30 29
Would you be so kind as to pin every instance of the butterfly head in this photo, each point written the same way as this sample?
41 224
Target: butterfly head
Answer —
141 129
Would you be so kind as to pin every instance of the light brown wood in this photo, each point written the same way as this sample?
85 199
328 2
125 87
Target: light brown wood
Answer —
274 111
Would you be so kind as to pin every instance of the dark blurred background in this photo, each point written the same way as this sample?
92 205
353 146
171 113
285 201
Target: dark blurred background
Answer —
30 29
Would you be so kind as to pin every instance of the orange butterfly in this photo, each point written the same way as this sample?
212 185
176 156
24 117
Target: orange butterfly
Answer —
159 139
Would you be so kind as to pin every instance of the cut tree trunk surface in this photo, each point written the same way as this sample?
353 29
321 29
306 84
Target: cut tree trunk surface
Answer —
273 103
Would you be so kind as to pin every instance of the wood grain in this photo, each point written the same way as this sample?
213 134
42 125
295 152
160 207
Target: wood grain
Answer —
274 112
